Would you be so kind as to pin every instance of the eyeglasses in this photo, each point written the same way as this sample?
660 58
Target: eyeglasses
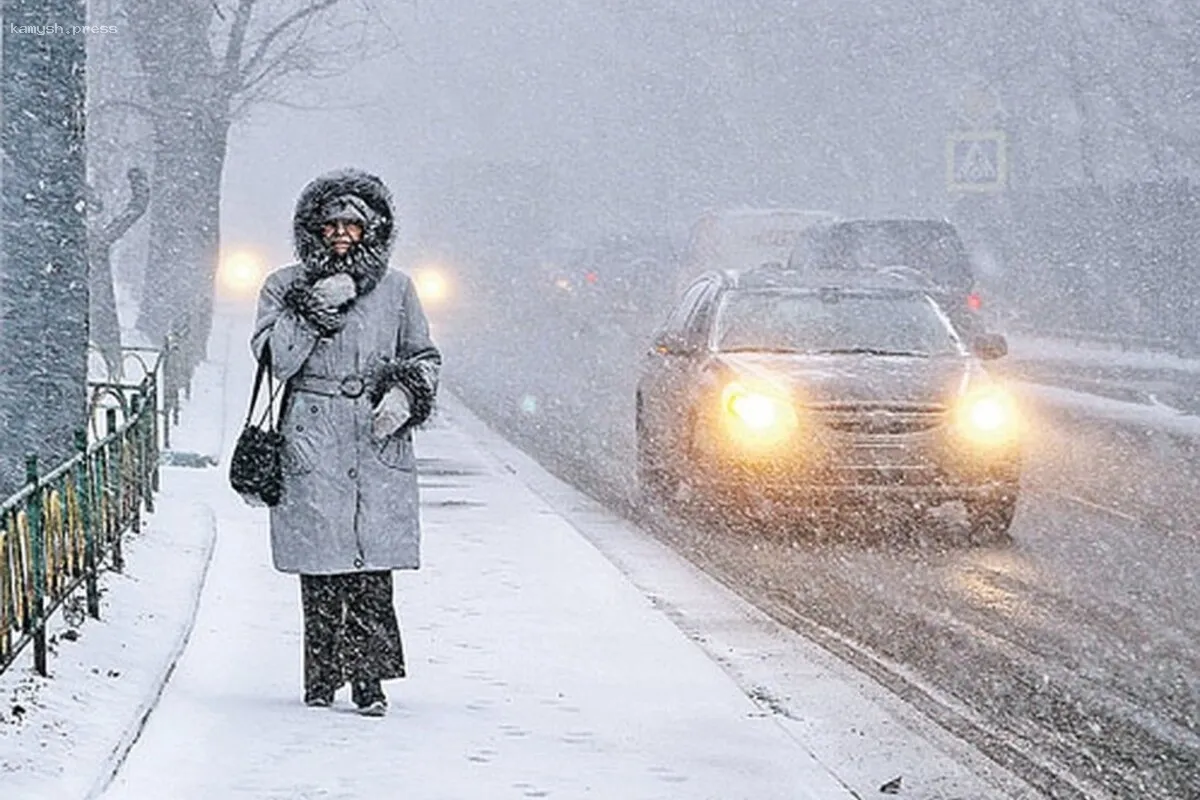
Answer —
355 229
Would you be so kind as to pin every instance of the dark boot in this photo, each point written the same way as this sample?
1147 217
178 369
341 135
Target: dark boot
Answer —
318 698
369 697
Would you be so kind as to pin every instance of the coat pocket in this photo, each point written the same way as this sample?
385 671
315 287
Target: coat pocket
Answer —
302 439
396 451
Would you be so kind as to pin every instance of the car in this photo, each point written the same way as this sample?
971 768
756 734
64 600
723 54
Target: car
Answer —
930 246
618 280
790 387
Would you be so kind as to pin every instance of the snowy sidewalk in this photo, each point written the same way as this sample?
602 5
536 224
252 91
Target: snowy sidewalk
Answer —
536 670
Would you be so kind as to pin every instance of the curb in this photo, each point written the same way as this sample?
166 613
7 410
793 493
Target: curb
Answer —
116 758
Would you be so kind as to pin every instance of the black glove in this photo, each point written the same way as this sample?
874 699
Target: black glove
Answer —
315 304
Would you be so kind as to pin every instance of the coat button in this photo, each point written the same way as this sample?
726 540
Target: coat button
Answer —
358 562
352 472
314 409
299 427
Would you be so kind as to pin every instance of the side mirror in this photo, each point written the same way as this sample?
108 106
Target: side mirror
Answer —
670 343
989 346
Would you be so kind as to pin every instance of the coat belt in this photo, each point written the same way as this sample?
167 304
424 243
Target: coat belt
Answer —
348 386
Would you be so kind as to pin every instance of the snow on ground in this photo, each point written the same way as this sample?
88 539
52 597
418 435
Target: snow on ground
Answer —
1032 348
1150 416
1158 418
537 669
553 651
862 733
63 736
60 736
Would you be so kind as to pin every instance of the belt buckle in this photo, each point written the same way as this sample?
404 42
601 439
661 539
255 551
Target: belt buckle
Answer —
352 386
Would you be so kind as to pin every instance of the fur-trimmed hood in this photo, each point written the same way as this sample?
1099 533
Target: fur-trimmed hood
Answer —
378 231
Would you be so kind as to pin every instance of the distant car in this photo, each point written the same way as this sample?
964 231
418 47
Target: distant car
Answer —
621 279
815 393
930 246
743 238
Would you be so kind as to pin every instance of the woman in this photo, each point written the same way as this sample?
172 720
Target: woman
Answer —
351 339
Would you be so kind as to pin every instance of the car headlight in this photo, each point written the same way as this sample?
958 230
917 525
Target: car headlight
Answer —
988 416
431 285
756 412
240 274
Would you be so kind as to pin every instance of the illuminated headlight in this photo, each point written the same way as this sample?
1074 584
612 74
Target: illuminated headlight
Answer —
431 285
988 416
758 413
241 273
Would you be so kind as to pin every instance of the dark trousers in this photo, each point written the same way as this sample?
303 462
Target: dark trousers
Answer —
350 630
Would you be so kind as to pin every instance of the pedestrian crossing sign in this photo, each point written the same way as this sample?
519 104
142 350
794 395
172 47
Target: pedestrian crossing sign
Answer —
976 161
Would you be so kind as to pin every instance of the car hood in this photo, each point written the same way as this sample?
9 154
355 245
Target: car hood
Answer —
859 379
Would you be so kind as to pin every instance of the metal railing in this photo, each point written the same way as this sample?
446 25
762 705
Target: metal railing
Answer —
63 527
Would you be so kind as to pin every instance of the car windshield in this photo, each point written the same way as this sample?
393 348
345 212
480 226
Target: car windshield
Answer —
840 322
934 249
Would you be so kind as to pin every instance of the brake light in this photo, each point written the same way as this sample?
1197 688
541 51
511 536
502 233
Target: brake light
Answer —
974 301
590 277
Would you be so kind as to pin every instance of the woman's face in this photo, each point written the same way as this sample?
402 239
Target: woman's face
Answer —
341 235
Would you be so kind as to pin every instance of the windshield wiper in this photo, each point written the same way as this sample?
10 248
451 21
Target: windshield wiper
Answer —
869 351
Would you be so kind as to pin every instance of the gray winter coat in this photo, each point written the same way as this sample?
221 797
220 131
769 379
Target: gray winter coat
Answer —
350 500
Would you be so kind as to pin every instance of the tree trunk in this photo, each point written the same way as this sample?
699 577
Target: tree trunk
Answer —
189 112
43 274
210 166
103 319
104 326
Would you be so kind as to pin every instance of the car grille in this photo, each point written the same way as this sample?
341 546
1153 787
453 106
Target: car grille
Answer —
881 420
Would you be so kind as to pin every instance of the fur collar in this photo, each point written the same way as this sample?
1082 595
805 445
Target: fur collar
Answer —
365 263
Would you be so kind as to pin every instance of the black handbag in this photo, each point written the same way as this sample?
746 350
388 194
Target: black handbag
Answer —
256 467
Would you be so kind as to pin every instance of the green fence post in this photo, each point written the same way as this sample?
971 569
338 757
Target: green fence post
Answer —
155 451
83 489
39 566
112 488
141 452
165 372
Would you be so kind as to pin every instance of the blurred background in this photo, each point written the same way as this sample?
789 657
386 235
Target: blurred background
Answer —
537 129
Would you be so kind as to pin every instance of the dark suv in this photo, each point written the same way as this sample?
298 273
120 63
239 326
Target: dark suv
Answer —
933 247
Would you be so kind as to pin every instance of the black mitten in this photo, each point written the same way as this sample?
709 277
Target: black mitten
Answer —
300 298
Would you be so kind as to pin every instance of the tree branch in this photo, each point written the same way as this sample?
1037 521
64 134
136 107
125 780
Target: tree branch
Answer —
231 71
286 24
266 98
139 200
128 105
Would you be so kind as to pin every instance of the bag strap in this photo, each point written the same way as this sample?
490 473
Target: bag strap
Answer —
263 361
264 370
